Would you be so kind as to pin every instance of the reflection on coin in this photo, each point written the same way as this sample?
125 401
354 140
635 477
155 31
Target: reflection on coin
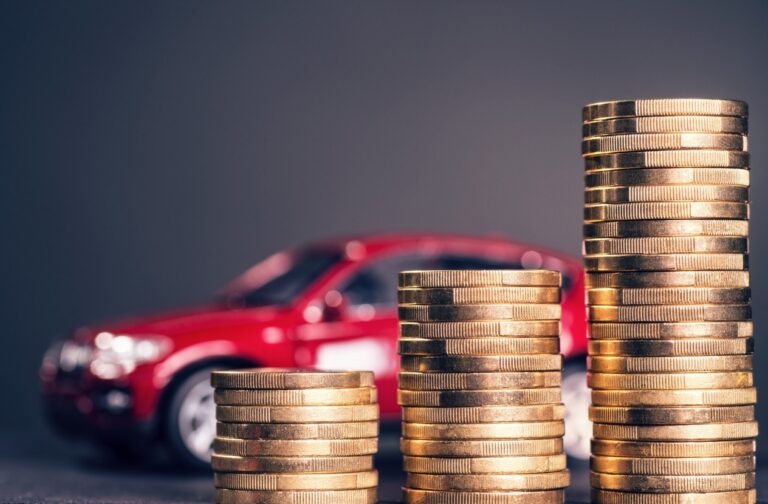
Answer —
664 107
670 348
485 482
480 329
734 497
229 463
673 467
277 378
345 430
671 415
717 397
696 432
418 496
479 295
674 484
481 448
669 159
655 449
359 496
532 413
529 430
484 465
297 414
478 346
296 397
479 278
474 381
296 481
669 381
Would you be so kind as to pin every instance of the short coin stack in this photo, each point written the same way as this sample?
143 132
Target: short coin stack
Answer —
480 387
287 436
666 225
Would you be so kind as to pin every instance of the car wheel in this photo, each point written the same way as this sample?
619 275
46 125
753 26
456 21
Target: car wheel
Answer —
577 398
191 421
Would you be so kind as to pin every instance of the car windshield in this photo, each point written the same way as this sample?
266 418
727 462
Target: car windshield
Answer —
305 268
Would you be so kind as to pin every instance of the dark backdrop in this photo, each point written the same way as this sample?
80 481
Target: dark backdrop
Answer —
152 150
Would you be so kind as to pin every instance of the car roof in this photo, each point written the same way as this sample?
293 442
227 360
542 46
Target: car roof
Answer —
375 243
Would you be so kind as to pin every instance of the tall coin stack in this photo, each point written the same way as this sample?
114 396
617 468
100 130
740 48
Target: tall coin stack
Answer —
480 387
665 242
287 436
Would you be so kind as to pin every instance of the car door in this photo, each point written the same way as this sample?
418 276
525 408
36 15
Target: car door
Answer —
362 332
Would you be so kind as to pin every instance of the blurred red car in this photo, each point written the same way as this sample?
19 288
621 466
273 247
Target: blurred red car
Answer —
328 305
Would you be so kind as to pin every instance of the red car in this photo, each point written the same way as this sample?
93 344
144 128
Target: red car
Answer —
327 305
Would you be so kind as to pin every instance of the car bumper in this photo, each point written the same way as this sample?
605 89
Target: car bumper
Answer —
90 417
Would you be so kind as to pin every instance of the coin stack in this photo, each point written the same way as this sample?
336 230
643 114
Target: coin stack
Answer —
480 387
286 436
665 242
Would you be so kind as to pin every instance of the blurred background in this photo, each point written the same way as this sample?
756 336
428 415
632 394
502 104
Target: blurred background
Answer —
153 150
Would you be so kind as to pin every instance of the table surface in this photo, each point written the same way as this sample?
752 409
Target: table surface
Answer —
68 477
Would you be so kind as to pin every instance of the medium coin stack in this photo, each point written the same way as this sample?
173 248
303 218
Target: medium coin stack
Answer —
287 436
480 387
665 242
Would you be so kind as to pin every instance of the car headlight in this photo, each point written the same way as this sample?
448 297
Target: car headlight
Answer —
116 355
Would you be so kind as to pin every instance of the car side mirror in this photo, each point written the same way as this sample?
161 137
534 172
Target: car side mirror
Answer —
335 306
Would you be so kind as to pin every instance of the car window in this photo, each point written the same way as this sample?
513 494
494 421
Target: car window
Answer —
376 284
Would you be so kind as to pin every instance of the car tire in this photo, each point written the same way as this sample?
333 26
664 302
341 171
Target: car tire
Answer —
190 420
577 398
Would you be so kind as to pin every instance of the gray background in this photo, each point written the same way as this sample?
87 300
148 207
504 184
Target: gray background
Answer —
151 151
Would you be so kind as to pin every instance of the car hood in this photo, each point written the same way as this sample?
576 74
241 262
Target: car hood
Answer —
181 323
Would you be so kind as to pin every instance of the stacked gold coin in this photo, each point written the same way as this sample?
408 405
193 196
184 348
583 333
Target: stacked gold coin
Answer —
666 225
287 436
480 387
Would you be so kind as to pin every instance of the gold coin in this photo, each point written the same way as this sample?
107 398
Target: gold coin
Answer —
278 378
297 414
665 193
295 448
302 481
229 463
735 497
473 482
478 346
484 465
644 449
667 177
480 329
679 295
359 496
296 397
476 448
673 466
668 124
479 278
474 381
689 364
666 245
464 398
670 313
651 330
417 496
669 381
695 432
673 484
455 313
675 415
486 363
634 229
669 159
717 397
485 414
672 348
664 107
527 430
662 141
479 295
345 430
667 262
596 212
665 279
